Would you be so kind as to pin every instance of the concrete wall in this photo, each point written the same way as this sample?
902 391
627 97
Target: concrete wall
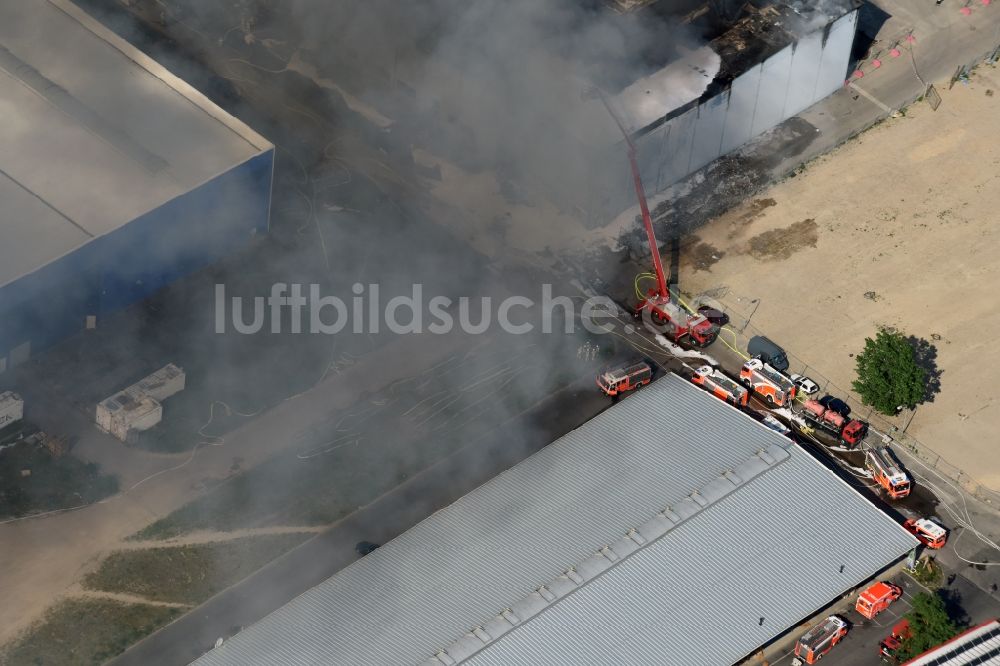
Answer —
136 260
782 86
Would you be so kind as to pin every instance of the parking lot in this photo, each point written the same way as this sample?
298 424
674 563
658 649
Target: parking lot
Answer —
860 647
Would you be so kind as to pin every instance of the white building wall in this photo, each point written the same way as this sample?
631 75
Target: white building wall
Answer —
679 143
739 116
782 86
807 55
836 55
772 92
708 131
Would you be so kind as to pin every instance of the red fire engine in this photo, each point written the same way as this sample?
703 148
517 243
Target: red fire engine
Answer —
679 324
887 472
820 639
877 598
927 532
776 389
624 378
720 385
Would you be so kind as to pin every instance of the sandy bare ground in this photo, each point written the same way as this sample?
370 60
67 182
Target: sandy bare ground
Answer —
75 591
44 559
204 536
897 228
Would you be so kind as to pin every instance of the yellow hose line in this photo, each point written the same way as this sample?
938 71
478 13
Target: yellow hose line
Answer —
638 279
731 346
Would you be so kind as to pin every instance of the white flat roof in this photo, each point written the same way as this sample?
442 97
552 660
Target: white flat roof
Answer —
652 97
647 100
94 133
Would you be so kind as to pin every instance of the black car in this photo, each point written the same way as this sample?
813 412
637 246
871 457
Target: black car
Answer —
715 316
836 405
365 547
768 352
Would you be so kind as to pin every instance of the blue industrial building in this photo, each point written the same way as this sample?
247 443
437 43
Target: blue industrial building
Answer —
116 177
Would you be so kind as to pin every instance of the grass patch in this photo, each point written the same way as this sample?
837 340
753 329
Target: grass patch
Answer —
86 631
928 573
53 483
188 574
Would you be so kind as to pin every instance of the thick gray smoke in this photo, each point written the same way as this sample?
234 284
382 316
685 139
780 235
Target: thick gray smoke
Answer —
502 78
491 85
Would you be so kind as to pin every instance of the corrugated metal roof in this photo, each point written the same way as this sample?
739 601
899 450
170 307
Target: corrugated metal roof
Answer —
95 133
731 523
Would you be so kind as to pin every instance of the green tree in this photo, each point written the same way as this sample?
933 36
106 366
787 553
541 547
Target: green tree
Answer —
930 626
888 374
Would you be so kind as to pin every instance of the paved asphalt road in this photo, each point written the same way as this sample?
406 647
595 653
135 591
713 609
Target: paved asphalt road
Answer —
318 559
860 647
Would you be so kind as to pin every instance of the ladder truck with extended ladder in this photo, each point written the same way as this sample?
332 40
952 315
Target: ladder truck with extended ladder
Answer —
680 325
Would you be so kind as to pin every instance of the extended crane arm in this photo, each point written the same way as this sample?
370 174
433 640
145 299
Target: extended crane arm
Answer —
640 192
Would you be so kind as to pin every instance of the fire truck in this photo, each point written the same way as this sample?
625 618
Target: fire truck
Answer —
819 640
927 532
678 323
624 378
776 389
850 432
720 385
877 598
887 472
889 645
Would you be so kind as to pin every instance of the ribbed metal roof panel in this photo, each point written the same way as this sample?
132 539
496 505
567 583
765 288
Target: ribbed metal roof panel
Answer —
491 549
697 595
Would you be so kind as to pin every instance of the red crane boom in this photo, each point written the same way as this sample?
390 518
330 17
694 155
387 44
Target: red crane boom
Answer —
679 324
640 192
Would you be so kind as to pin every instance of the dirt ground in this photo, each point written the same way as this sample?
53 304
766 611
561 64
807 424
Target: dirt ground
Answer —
896 228
43 559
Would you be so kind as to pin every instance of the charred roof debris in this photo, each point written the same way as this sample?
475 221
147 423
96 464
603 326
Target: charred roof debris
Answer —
743 34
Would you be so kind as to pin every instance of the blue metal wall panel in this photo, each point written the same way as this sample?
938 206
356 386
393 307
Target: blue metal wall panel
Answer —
51 303
116 270
679 143
185 234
